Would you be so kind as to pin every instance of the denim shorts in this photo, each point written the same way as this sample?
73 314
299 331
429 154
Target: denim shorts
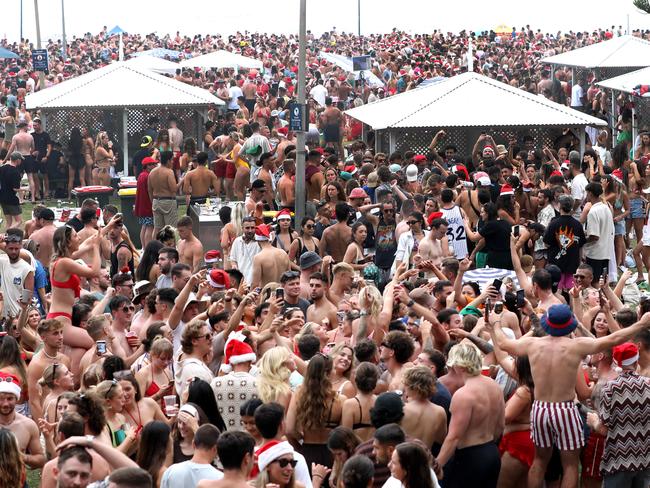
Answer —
619 228
637 208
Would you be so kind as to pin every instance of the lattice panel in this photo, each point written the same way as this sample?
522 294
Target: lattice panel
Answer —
60 122
642 110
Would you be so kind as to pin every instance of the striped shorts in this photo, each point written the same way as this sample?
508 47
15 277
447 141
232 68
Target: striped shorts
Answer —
556 424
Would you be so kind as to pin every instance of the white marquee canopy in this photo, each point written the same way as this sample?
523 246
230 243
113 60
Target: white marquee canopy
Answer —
222 59
618 52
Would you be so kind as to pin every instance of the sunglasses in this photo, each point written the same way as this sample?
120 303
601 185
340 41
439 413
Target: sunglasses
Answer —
579 277
389 210
309 226
13 238
286 462
207 337
54 366
123 375
413 222
130 308
114 383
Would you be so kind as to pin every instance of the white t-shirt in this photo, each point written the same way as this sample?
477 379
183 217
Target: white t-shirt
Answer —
12 280
242 255
188 473
600 222
187 369
234 92
576 96
578 192
395 483
319 93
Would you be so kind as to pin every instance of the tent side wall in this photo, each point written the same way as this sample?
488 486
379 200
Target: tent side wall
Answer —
61 121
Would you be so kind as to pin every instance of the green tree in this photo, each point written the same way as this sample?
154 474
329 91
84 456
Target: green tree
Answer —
643 5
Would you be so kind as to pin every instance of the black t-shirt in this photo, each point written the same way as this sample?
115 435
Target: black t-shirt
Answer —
75 223
9 180
385 244
564 237
302 305
138 157
41 141
497 243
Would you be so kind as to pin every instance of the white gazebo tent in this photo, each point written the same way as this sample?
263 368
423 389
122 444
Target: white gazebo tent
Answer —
626 84
222 59
608 58
467 104
119 90
345 63
152 63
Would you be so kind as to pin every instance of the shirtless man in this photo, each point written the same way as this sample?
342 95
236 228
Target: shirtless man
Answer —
477 421
255 201
332 119
395 351
423 419
286 185
88 217
314 177
321 308
162 192
435 246
250 93
175 135
198 182
23 142
270 262
310 263
236 453
336 237
469 200
33 224
43 236
341 283
190 249
266 171
24 429
554 362
51 331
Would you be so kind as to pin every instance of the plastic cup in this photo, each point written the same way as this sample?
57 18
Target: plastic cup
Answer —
485 371
171 408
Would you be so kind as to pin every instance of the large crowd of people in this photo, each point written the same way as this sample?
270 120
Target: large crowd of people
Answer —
434 320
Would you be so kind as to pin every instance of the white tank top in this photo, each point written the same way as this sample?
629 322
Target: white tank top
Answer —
455 231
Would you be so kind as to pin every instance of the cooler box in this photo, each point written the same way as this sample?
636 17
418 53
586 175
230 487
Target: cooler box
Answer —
98 192
127 202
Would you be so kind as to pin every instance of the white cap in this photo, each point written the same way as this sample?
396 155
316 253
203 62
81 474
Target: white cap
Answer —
411 173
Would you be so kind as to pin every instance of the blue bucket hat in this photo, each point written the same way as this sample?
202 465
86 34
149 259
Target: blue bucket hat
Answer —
559 320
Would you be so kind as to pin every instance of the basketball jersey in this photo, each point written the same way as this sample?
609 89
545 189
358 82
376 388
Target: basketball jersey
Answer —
455 231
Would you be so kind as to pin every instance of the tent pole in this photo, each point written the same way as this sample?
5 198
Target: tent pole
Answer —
582 140
633 127
377 141
125 141
613 115
391 141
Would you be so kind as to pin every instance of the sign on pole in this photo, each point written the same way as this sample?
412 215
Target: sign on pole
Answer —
298 117
40 61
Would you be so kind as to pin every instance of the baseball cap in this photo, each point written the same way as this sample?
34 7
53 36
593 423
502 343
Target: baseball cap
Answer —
411 173
15 156
145 141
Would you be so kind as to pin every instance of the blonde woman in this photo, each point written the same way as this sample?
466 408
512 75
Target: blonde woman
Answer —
104 159
116 431
371 302
275 367
58 378
232 230
342 357
157 379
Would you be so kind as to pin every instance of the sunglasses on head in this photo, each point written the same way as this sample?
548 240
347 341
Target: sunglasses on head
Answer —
114 383
286 462
12 238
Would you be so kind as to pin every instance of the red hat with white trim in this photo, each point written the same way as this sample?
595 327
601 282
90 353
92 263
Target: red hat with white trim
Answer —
262 232
212 256
625 354
557 173
237 352
506 190
285 213
271 451
218 278
9 383
461 168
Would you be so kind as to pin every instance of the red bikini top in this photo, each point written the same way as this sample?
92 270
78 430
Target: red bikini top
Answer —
73 283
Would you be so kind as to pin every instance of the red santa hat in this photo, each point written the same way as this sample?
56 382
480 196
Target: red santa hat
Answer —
271 451
262 232
626 354
557 173
506 190
237 352
218 278
461 168
285 213
433 216
9 383
212 256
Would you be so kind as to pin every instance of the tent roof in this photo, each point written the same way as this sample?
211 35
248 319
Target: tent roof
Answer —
618 52
159 52
151 63
222 59
120 85
627 82
7 54
468 100
345 63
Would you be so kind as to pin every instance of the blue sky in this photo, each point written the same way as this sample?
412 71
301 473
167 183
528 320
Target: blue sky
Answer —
192 16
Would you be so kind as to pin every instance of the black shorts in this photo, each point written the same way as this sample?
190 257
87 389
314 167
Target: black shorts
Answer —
12 210
29 164
331 133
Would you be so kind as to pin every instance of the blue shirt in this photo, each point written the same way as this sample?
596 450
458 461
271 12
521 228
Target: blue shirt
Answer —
40 281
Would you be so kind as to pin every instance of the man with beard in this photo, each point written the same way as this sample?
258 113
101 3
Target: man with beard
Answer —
24 429
167 257
16 275
244 249
121 254
270 262
321 308
51 331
